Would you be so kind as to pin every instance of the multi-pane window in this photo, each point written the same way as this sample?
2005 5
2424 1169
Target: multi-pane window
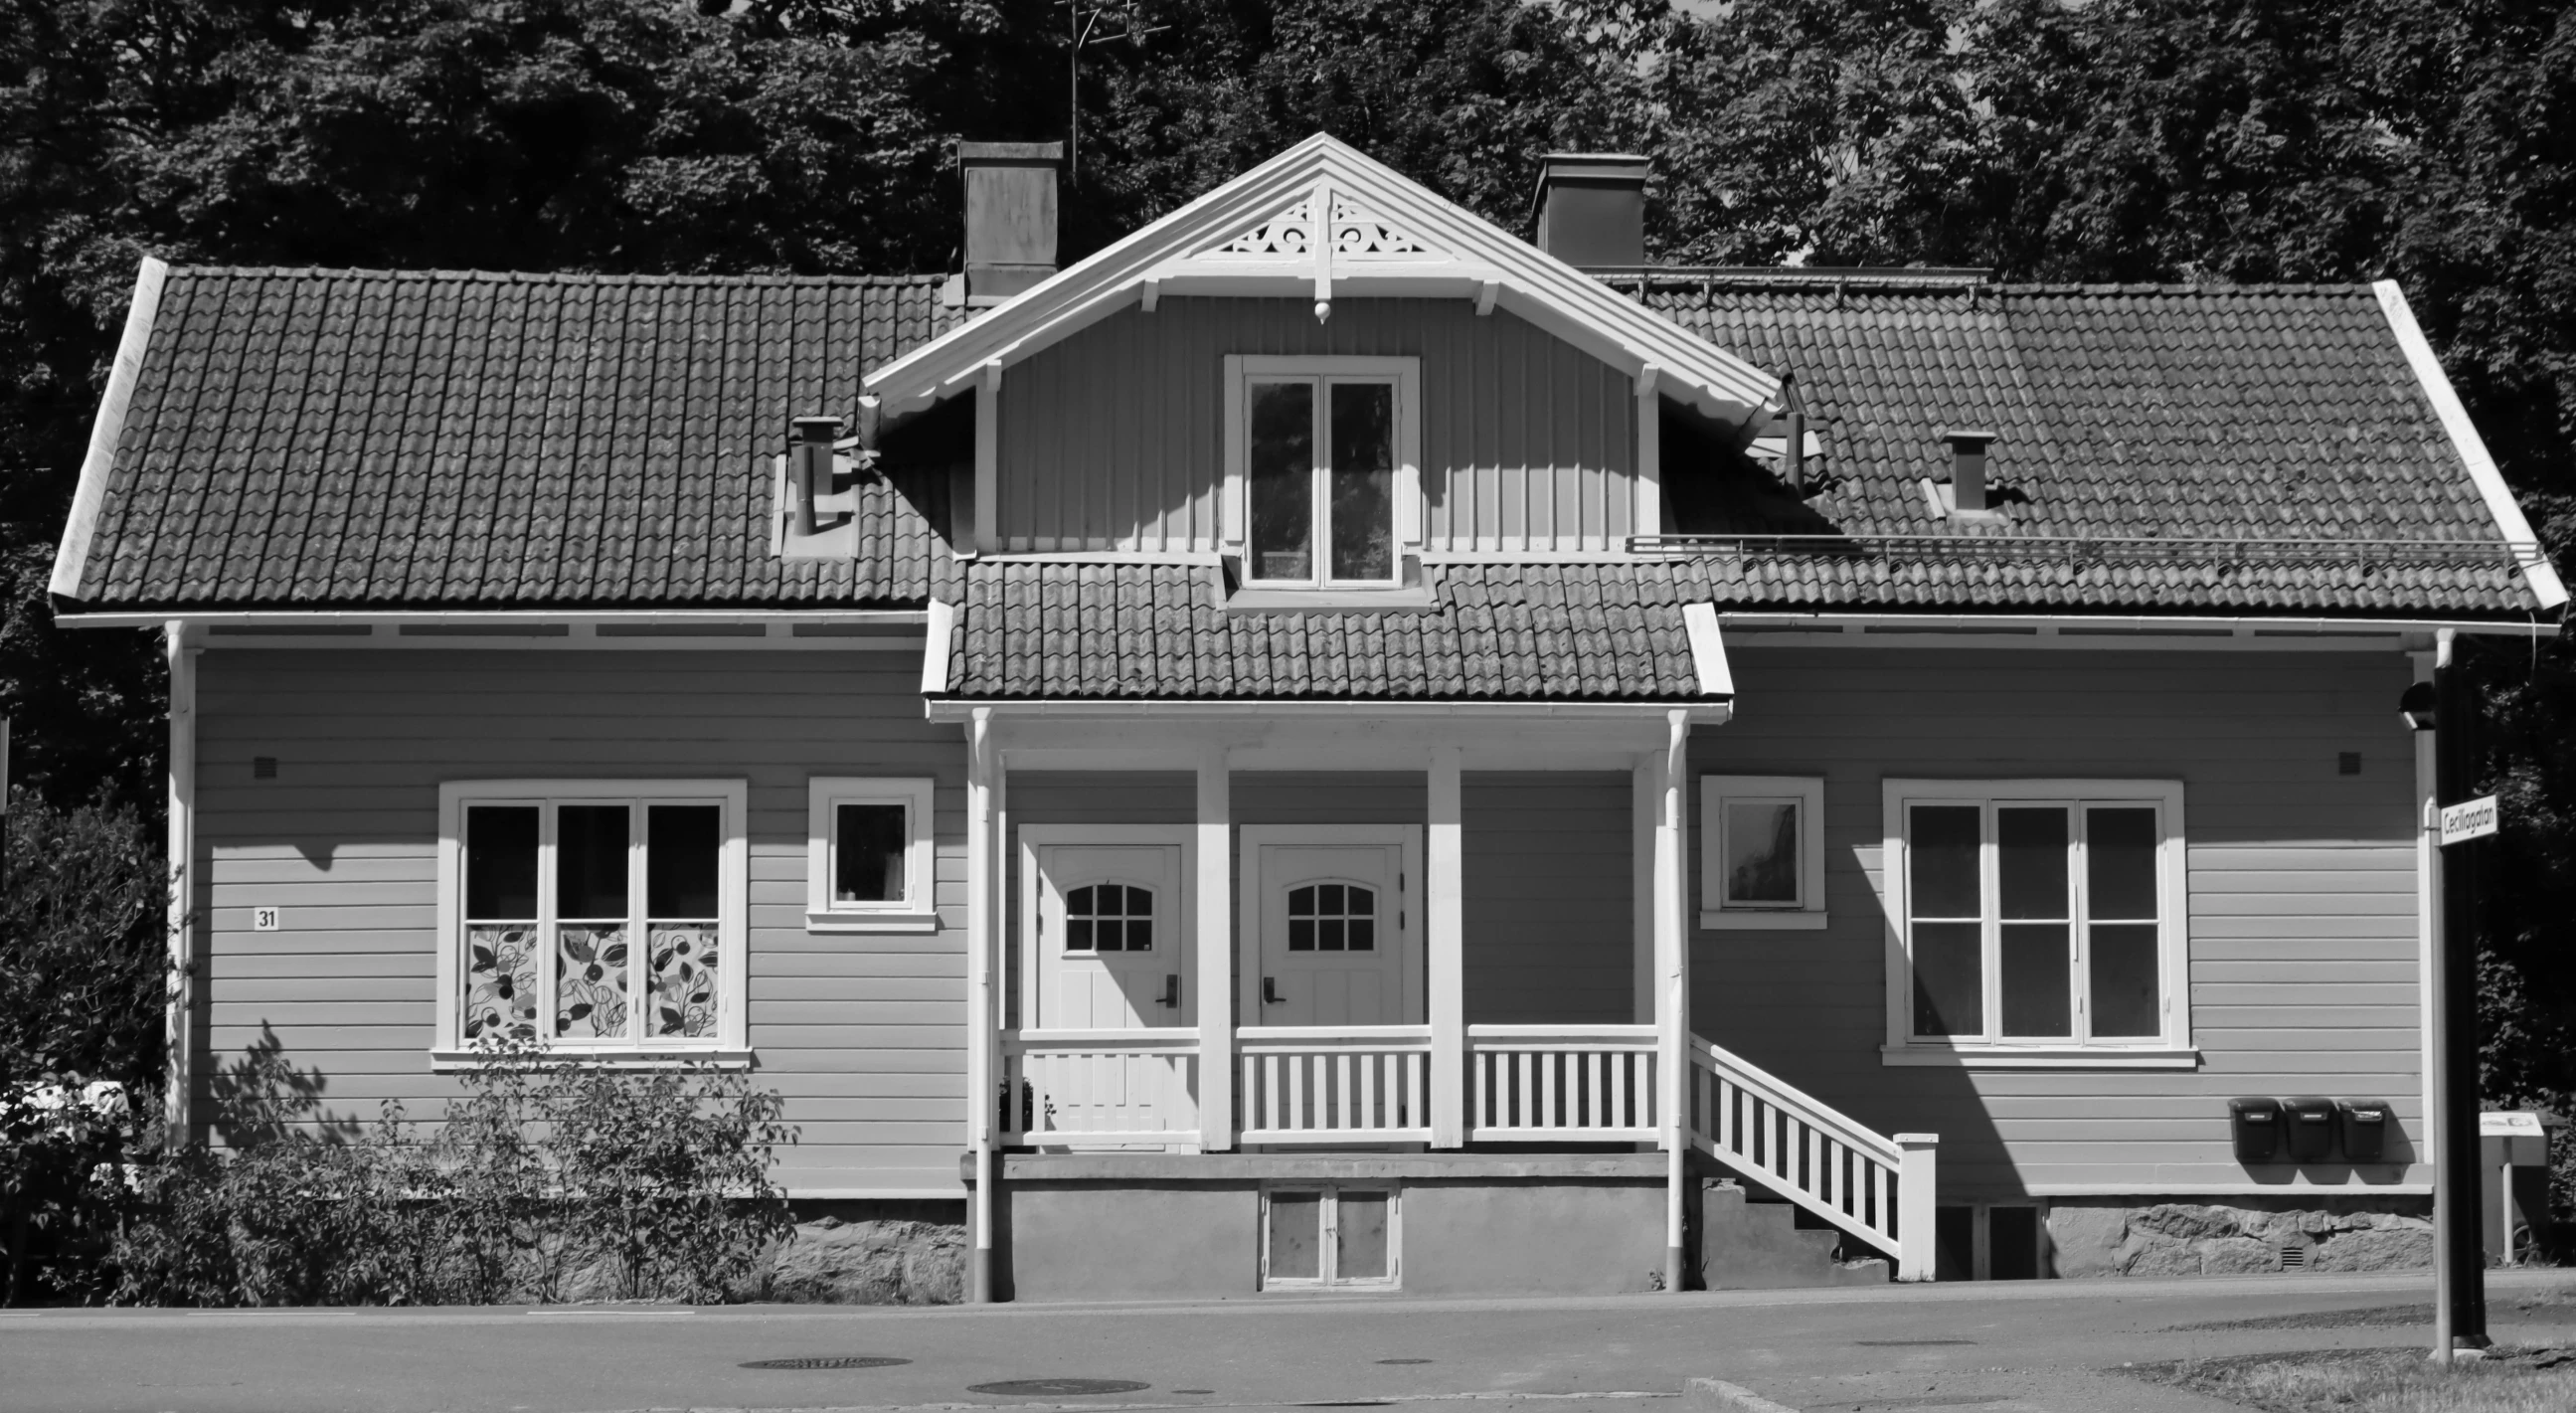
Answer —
594 920
1323 449
1332 917
870 858
1329 1236
2032 920
1109 917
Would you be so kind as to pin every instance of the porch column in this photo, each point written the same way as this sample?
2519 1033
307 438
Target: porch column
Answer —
1445 960
983 916
1672 969
1215 887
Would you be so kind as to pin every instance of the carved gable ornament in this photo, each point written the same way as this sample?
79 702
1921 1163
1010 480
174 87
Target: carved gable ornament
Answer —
1357 233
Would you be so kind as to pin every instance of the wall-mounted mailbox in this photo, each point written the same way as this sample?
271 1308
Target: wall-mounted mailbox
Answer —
2256 1125
2365 1130
2311 1124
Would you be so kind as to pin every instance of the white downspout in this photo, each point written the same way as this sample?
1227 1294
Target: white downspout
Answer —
982 1093
1672 946
180 1025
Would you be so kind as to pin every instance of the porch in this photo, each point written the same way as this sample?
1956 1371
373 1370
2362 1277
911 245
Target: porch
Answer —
1188 1060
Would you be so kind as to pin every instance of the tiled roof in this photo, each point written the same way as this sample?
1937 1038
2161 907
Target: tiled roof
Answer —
335 438
1498 632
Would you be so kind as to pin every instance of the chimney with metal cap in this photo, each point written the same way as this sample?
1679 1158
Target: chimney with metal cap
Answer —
1010 216
1591 208
811 470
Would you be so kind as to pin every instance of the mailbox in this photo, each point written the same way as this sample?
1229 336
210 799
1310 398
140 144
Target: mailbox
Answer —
2256 1125
2311 1124
2365 1130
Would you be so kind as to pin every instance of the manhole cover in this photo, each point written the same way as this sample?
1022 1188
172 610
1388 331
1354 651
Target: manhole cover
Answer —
1910 1343
828 1361
1060 1387
1404 1361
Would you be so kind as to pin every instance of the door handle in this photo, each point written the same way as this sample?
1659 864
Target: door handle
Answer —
1270 992
1171 990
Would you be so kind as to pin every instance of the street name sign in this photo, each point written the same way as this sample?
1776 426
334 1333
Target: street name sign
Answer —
2469 819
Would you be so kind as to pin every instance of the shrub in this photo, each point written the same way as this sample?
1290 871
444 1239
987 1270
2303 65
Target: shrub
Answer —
549 1179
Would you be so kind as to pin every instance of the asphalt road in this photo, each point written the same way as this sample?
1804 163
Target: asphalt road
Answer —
2053 1347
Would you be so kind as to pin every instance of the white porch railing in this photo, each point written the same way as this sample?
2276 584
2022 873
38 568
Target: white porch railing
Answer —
1540 1083
1096 1088
1335 1084
1876 1188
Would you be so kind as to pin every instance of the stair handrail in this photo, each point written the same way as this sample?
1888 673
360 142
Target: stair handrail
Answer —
1782 1094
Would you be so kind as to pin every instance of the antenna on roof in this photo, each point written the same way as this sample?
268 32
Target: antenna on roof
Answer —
1079 23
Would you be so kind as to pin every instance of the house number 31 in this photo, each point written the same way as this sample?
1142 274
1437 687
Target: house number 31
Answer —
264 919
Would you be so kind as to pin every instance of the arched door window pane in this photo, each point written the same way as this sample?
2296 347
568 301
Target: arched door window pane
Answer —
1332 917
1109 917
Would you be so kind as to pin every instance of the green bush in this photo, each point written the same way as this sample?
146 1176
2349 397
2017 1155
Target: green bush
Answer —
550 1179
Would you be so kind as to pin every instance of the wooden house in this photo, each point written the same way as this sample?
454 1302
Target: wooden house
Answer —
1329 744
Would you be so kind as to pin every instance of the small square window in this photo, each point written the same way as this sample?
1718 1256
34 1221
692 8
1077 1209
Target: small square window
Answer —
1332 1235
869 858
1762 856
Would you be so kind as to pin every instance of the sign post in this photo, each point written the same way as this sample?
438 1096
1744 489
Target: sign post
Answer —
2459 1256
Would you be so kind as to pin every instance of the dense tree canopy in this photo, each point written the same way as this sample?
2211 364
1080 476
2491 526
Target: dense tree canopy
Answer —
2430 141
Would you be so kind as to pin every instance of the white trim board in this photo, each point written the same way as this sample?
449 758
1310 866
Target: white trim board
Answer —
2465 439
81 526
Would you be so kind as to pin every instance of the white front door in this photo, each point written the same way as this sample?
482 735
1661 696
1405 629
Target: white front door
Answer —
1338 928
1112 942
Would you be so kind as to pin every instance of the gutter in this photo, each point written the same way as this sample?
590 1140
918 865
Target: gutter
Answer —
964 709
289 619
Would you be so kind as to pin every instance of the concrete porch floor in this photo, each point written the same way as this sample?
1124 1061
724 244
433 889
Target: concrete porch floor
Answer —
1987 1348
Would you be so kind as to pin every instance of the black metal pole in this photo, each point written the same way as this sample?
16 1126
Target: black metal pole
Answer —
2457 1181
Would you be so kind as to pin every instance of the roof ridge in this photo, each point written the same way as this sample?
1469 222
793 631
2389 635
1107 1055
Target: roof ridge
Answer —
593 277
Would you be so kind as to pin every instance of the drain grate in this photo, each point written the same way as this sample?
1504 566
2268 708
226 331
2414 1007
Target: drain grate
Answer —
828 1361
1909 1343
1404 1361
1060 1387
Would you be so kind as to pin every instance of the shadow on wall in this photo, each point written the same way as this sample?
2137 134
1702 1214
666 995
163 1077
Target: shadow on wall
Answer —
261 1097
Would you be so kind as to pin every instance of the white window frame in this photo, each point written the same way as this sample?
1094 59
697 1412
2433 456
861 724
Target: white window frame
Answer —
1807 792
1405 373
2172 1049
1328 1220
729 1046
918 910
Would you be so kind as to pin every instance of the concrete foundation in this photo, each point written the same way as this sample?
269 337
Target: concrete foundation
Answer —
1748 1245
1158 1226
2140 1236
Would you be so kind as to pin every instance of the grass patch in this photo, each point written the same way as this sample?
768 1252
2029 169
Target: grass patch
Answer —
2553 1307
2380 1381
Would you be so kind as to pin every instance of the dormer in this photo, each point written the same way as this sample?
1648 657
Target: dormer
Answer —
1320 375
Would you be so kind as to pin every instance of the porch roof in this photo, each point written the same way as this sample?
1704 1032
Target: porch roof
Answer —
1517 632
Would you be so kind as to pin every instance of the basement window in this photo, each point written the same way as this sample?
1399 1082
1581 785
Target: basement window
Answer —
1329 1235
868 855
1323 479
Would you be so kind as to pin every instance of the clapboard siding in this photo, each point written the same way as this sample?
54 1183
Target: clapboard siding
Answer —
1548 876
1113 438
2301 883
860 1031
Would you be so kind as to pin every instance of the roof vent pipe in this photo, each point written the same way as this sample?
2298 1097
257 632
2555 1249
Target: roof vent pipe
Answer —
1010 216
1967 468
1793 445
1590 209
811 471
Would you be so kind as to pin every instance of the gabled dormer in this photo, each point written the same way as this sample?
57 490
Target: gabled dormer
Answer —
1320 374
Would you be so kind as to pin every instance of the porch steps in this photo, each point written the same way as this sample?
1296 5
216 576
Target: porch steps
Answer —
1746 1243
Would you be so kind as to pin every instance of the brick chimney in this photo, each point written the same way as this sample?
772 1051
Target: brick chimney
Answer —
1010 216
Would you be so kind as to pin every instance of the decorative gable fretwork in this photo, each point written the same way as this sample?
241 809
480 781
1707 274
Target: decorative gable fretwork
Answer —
1358 233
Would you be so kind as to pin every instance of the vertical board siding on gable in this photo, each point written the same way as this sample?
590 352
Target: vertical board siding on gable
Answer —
859 1031
1113 438
2301 889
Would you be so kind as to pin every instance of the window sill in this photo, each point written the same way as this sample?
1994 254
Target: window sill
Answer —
871 922
1755 920
1410 598
462 1061
2041 1057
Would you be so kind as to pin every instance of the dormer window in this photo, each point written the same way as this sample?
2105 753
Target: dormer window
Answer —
1323 478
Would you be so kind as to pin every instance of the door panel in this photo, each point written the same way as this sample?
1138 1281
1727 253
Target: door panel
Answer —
1112 951
1337 936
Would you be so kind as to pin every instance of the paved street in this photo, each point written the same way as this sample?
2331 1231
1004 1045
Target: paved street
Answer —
1997 1348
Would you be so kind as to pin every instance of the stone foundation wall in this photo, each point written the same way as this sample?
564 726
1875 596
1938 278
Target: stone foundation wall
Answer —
874 1253
2140 1236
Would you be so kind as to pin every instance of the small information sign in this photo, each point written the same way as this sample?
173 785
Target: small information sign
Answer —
2469 819
264 919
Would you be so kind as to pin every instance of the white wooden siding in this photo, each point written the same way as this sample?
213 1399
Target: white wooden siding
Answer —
860 1032
2301 882
1112 438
